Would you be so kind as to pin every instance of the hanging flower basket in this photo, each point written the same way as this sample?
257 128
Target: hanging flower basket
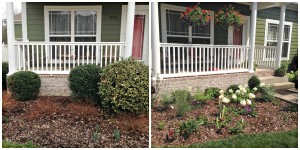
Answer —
228 16
195 16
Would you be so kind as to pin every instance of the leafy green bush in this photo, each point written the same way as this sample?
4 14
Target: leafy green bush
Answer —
190 126
253 82
212 91
24 85
202 97
182 98
293 66
234 87
267 94
165 102
293 76
280 72
4 73
124 86
83 82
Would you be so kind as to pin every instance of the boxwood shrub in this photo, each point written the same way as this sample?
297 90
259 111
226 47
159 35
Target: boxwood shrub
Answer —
83 82
253 82
124 86
24 85
4 73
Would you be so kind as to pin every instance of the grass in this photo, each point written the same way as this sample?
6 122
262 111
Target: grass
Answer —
7 144
284 139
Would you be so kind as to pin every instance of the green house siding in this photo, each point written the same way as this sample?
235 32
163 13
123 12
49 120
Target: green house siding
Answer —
18 31
110 28
274 13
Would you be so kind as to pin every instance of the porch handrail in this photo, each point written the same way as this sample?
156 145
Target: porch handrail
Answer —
259 46
204 45
69 43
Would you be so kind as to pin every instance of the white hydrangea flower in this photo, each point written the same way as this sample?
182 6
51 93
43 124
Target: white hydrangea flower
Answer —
237 92
246 85
225 100
190 88
248 101
240 86
254 89
221 92
230 91
262 84
221 97
234 96
243 102
251 95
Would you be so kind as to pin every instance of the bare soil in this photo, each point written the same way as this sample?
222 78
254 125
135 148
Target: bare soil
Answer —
271 117
62 122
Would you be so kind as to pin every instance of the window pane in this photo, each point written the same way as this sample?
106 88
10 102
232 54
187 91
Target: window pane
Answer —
175 26
271 43
60 39
60 22
272 31
201 30
201 41
85 22
285 46
178 40
286 33
85 39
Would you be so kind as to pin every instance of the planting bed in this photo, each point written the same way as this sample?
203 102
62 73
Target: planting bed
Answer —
61 122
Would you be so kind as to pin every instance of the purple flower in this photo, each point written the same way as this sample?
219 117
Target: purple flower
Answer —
248 109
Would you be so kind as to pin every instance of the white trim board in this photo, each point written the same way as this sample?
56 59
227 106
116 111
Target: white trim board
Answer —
290 35
246 32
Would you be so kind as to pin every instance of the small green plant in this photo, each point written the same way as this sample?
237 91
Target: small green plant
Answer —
267 93
253 82
4 73
83 82
280 72
234 87
293 76
165 101
96 134
182 98
161 125
255 66
238 128
293 66
24 85
212 92
5 119
117 135
190 126
202 97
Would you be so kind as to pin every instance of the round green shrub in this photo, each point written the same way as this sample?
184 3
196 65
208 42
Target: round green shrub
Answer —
124 86
234 87
253 82
279 72
212 91
83 82
24 85
178 93
4 73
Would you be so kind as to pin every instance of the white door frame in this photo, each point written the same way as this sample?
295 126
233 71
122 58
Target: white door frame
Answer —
139 10
246 32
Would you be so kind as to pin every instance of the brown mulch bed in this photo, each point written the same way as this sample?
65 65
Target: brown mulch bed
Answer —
61 122
270 118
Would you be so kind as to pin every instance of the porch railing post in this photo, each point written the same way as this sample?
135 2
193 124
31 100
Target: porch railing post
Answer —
24 22
252 36
11 37
155 40
280 36
129 29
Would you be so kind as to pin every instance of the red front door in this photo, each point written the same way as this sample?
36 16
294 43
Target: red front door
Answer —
238 35
138 36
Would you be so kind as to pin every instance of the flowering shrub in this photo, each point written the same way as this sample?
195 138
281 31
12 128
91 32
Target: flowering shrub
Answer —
228 16
195 16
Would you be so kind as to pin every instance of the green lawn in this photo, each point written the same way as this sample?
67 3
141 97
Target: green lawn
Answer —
286 139
7 144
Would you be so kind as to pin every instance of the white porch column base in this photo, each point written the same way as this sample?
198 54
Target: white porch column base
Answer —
252 36
129 29
10 37
24 22
280 36
155 40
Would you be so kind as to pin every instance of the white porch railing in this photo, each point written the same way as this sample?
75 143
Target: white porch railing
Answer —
61 57
197 59
265 56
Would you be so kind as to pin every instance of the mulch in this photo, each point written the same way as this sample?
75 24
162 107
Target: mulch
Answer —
271 117
62 122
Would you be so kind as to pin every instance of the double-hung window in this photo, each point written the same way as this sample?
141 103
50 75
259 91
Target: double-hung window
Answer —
175 31
271 36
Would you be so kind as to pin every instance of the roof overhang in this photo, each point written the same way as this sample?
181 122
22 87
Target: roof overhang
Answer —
265 5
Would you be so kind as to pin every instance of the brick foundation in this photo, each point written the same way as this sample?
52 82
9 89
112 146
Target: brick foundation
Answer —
54 85
221 81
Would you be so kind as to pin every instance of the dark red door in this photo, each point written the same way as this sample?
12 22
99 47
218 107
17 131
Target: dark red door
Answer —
238 35
138 36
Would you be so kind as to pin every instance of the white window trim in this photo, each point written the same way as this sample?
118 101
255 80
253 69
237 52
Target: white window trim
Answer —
163 12
290 35
97 8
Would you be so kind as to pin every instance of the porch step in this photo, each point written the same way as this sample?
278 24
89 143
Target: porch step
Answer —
289 95
273 79
283 85
293 90
264 72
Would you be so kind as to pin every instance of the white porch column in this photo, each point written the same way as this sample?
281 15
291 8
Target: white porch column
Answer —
280 36
129 29
24 22
10 37
252 36
155 40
